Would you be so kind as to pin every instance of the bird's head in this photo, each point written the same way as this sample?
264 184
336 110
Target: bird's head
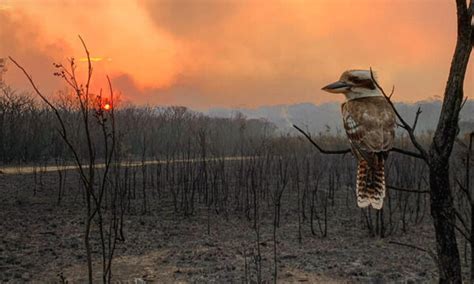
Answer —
354 84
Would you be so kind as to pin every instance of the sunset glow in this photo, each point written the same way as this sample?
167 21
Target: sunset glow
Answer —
94 59
234 53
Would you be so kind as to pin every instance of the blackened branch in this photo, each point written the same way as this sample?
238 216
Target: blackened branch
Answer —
406 152
417 115
345 151
337 152
404 124
63 130
406 189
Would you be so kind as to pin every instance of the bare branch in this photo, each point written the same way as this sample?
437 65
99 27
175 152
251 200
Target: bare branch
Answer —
391 93
89 68
466 234
405 125
331 152
464 189
345 151
417 115
465 99
407 190
406 152
63 131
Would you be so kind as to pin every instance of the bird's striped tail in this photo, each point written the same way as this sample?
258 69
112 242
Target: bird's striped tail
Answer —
370 184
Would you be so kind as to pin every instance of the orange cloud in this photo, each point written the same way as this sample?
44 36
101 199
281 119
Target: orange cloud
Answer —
94 59
238 53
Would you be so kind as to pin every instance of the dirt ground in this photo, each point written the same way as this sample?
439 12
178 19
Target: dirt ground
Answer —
42 242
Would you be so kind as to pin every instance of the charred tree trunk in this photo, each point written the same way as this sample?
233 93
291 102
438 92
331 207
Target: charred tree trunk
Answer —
442 211
442 208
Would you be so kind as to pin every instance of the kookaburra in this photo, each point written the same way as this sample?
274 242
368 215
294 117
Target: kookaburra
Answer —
370 122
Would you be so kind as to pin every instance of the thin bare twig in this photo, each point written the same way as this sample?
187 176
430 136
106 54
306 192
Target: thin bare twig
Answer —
405 125
345 151
407 190
62 132
336 152
464 224
417 115
464 101
406 152
464 189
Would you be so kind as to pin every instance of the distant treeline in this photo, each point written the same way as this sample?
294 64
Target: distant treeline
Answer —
327 117
28 131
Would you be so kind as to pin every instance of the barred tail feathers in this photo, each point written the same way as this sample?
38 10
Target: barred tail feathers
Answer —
370 185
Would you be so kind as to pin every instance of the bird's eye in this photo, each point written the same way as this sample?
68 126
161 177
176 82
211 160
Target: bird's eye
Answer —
364 83
354 79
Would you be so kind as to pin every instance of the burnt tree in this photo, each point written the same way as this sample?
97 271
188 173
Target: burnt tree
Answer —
442 208
440 149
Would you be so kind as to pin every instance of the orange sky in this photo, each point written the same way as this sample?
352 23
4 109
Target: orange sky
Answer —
226 53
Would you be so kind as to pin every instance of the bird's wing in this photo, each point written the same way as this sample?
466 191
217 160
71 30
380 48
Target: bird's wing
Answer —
370 125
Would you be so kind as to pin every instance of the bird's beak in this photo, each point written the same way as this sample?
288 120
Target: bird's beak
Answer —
336 87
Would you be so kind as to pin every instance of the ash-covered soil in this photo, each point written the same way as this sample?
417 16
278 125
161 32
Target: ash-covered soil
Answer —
42 242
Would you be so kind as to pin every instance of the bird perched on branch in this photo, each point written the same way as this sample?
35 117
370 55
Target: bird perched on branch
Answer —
370 123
